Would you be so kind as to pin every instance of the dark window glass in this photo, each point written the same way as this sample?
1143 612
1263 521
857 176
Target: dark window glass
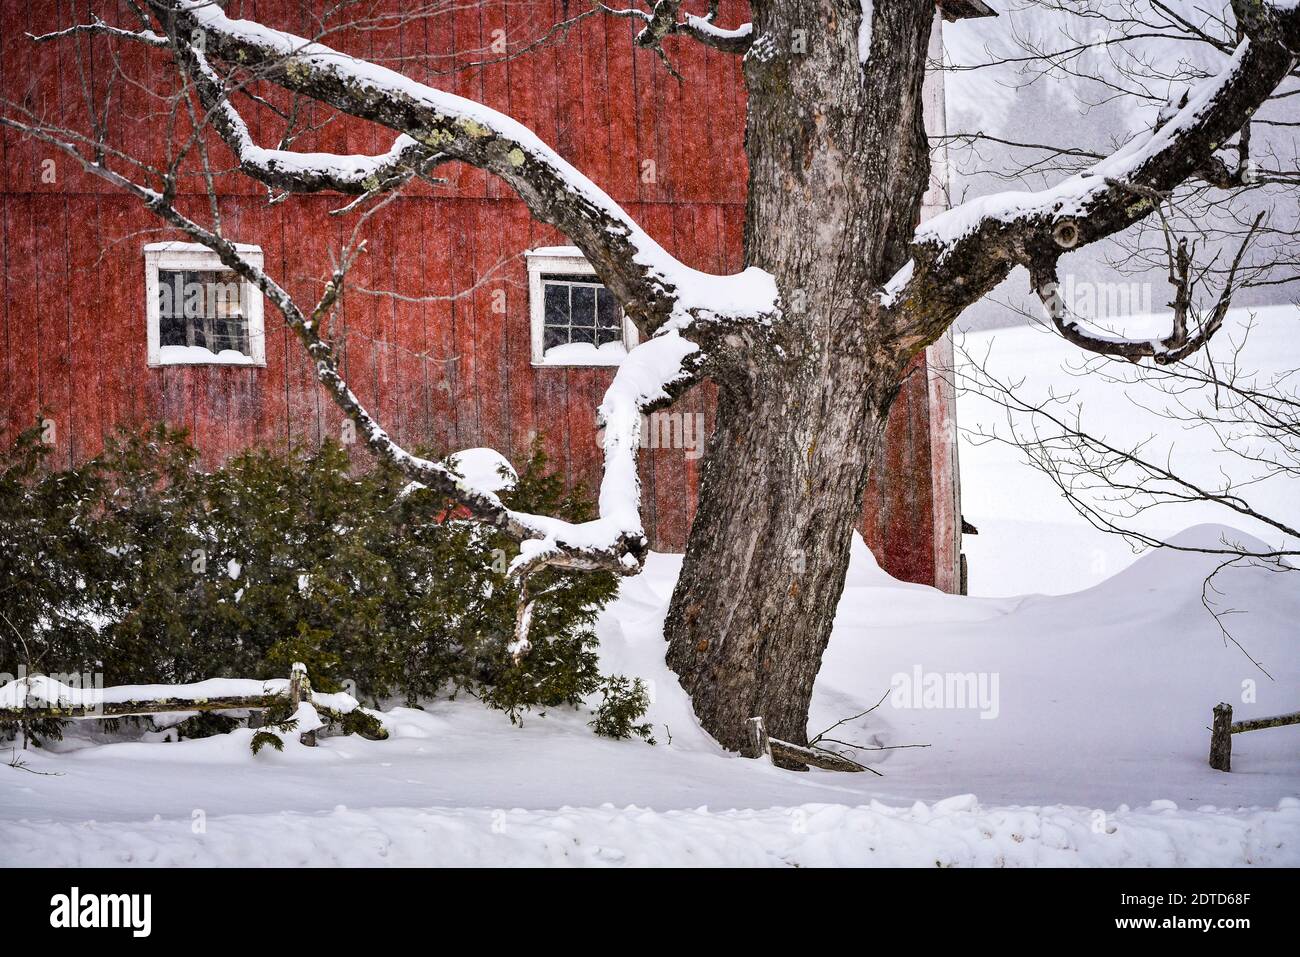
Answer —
202 308
609 318
583 299
557 304
578 310
554 336
171 319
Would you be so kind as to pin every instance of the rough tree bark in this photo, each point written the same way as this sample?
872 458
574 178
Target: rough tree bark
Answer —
837 168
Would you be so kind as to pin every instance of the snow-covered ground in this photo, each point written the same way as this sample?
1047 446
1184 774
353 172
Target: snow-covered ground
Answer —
1060 729
1093 752
1031 540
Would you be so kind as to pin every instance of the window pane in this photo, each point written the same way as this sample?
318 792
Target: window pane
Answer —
171 331
194 299
554 336
608 311
584 305
224 295
171 289
578 310
557 304
202 308
229 334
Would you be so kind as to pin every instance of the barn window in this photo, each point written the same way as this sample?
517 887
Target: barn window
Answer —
575 319
199 311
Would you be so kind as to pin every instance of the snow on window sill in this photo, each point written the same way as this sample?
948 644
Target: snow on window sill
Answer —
584 354
200 356
558 252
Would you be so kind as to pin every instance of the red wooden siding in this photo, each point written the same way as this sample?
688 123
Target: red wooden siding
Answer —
444 373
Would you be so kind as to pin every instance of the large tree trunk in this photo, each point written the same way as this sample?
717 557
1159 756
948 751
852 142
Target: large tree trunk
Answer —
838 164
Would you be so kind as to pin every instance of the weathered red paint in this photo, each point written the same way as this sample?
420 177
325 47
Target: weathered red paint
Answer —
442 374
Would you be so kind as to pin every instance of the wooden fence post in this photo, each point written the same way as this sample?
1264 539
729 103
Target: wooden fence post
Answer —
300 691
759 746
1221 738
297 672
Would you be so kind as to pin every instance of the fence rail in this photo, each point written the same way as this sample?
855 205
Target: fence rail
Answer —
36 697
1223 728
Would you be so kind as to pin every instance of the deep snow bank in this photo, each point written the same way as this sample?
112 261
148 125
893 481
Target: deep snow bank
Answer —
952 833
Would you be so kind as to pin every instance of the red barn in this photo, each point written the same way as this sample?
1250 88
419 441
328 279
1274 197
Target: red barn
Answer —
467 323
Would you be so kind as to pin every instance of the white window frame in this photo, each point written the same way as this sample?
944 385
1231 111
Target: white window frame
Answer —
565 261
194 256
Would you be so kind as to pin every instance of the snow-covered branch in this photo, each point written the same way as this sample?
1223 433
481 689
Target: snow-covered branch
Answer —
653 374
97 27
296 172
960 255
734 40
656 290
662 21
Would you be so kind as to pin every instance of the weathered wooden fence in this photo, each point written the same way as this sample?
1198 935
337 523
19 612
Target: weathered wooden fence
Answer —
36 697
1224 728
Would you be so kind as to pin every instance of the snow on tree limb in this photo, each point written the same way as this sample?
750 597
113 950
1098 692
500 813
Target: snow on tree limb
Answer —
306 172
675 307
961 254
662 22
99 27
736 40
654 287
653 373
284 169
